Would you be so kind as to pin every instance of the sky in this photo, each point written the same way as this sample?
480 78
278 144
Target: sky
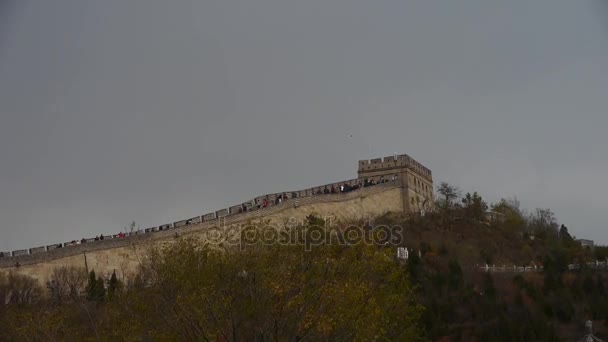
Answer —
157 111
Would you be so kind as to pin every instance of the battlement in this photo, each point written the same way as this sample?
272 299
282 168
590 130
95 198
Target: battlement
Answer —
198 224
395 162
8 258
251 206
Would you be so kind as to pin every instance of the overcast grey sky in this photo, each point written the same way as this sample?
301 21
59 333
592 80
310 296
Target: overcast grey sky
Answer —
158 110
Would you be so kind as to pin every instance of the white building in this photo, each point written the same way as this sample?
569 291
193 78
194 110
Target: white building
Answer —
402 253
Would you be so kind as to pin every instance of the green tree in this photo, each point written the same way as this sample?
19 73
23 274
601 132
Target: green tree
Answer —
113 286
510 214
96 290
414 267
474 206
564 235
600 252
455 275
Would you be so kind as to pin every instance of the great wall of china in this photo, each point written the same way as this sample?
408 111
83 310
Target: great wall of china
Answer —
400 184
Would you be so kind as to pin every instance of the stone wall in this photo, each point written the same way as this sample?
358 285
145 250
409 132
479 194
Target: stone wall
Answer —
413 181
251 205
124 255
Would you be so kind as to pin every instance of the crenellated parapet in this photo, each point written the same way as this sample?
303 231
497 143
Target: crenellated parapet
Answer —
395 162
416 179
252 205
395 170
168 231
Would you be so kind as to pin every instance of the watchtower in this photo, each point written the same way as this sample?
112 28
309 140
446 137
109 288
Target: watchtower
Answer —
416 180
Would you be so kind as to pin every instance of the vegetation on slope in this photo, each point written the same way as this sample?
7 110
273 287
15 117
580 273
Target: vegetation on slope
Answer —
295 291
187 291
463 303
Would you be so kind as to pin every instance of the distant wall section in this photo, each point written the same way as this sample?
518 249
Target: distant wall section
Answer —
124 255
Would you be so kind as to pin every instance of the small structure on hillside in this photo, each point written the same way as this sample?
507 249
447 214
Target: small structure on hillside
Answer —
494 216
402 253
586 243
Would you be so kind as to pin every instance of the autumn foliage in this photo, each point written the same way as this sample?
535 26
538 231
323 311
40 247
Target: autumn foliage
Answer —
187 291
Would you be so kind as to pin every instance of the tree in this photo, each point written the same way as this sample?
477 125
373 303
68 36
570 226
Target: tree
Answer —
563 233
600 252
67 283
565 237
113 286
449 194
96 289
17 289
510 214
543 223
455 275
276 292
555 264
132 228
414 266
474 206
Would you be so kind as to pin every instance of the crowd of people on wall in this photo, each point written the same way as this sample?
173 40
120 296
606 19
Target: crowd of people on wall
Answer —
333 189
343 188
100 237
264 203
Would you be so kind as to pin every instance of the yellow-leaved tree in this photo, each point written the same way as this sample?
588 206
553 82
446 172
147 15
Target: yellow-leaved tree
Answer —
269 292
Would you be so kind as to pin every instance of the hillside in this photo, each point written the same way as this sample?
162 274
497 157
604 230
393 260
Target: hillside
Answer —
299 285
464 303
